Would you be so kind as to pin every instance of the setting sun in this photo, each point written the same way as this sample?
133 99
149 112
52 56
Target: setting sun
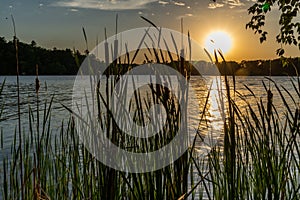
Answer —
218 40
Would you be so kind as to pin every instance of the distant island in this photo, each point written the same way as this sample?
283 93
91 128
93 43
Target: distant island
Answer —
66 62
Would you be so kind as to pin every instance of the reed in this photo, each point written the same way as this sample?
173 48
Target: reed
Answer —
18 97
260 155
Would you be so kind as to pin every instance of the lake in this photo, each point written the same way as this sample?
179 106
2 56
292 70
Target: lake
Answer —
60 88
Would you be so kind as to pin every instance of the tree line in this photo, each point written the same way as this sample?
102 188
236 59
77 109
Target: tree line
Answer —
50 62
67 62
277 67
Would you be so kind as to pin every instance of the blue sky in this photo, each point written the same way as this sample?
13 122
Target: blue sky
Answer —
58 23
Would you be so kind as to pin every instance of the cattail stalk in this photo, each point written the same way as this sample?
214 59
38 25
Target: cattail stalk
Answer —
19 113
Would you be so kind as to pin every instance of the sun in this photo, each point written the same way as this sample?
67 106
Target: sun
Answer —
218 40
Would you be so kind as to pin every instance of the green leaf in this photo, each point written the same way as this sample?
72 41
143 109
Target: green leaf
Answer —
266 7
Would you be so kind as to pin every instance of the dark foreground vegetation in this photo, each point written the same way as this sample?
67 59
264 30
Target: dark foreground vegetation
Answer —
257 157
67 62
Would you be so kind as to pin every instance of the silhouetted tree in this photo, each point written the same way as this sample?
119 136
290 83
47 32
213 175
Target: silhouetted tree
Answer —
289 33
50 62
33 43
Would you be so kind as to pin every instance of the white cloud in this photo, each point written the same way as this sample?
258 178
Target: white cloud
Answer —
233 2
230 3
215 5
179 3
105 4
163 2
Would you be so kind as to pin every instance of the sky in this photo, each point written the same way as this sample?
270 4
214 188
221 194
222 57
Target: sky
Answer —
58 23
